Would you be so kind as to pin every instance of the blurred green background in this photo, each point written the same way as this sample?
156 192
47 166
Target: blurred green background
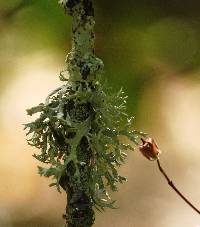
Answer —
152 50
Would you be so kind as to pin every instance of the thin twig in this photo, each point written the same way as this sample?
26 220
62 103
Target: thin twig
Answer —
175 189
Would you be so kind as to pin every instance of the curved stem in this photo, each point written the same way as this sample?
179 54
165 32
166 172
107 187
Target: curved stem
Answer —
175 188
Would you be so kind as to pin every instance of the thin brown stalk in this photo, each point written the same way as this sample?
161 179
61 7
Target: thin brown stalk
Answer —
175 188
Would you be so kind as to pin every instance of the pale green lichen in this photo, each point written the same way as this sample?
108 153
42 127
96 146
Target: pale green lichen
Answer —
81 61
70 115
80 126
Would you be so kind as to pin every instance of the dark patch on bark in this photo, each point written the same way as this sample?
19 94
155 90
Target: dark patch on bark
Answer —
89 10
71 3
85 71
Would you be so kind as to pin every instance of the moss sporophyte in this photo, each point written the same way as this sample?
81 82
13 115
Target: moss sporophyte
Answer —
79 127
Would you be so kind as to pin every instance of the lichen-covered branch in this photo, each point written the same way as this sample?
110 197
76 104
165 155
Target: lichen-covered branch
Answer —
82 64
80 126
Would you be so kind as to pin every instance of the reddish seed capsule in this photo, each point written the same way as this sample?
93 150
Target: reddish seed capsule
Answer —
149 149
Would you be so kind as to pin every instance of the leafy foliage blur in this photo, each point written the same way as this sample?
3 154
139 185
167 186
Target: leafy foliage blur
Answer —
144 34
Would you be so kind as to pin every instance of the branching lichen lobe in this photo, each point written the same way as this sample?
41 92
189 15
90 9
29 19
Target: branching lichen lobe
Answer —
79 126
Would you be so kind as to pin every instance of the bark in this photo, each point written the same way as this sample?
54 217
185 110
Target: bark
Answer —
83 67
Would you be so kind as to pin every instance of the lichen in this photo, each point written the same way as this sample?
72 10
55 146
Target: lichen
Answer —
80 127
91 114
